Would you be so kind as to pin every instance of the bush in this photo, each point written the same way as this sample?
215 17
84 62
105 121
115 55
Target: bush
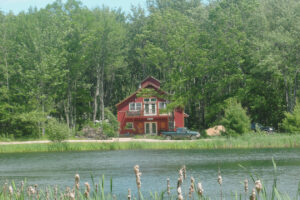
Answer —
235 120
291 122
57 131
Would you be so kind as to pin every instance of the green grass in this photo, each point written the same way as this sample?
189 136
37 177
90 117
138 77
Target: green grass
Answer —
246 141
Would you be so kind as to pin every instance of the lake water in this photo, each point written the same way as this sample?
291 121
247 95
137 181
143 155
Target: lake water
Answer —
156 166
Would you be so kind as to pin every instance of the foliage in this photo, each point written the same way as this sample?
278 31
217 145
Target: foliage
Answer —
235 120
57 131
291 122
71 62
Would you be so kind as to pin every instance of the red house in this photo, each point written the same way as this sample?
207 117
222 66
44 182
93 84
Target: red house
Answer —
143 115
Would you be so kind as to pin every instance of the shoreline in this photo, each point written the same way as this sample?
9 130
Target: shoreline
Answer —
241 142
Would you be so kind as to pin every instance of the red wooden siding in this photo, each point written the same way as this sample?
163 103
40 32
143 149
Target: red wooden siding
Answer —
139 119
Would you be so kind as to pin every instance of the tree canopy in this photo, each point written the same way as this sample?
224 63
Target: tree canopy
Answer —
71 63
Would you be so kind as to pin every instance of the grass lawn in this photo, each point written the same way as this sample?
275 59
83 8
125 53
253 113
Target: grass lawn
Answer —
245 141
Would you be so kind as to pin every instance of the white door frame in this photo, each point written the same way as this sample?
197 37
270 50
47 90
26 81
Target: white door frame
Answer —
151 127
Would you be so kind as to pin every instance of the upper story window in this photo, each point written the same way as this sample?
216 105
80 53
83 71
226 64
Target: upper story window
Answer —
162 105
149 100
135 106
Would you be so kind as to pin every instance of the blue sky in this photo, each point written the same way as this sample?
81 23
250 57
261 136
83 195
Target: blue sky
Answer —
22 5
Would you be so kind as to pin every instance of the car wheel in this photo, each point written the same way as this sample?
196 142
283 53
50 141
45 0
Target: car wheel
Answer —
168 138
193 137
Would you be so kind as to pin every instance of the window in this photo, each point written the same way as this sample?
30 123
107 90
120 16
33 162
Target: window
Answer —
138 106
147 100
132 106
147 111
162 105
129 125
135 106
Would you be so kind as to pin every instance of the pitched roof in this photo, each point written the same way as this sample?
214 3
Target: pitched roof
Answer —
128 97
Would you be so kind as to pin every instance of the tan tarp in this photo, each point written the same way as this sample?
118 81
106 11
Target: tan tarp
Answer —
215 131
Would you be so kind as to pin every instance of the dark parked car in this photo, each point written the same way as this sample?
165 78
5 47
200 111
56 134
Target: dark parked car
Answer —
181 133
257 126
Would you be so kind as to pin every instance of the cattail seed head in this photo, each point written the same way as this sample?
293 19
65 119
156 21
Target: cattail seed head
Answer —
220 180
192 189
179 182
179 192
22 186
138 176
258 186
11 191
200 189
77 179
253 195
168 186
72 196
246 185
129 194
184 172
87 187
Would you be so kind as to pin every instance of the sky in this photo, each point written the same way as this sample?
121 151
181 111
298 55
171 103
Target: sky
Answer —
22 5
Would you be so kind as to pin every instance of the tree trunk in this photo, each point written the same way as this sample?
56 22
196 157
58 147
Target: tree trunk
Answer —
286 94
96 95
67 113
102 94
7 74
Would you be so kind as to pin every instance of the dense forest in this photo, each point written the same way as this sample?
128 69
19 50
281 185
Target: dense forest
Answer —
72 63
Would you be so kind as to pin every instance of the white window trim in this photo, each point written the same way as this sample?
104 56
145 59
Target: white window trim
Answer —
150 128
129 123
135 106
150 109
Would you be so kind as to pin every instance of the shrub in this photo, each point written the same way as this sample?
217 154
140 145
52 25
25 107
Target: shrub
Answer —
57 131
235 120
291 122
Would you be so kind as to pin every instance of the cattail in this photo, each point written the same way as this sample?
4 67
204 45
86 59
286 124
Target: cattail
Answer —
168 186
192 187
77 179
181 174
11 191
22 186
258 186
246 185
219 177
138 176
179 182
47 194
37 191
184 172
129 194
37 194
96 188
55 192
220 182
72 195
18 193
200 189
87 190
4 189
179 192
253 195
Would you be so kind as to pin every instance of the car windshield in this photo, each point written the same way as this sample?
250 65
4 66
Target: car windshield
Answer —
182 129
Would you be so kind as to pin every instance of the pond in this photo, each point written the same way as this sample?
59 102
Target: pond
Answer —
156 166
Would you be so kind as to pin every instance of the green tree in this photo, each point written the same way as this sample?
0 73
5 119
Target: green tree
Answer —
235 120
291 122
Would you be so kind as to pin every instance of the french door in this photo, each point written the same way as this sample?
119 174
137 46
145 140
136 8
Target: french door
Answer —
150 128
